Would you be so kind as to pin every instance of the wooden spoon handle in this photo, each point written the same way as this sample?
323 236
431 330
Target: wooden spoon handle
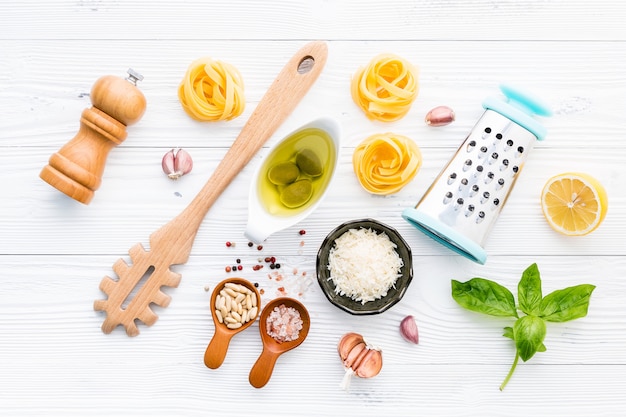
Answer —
261 372
216 351
291 84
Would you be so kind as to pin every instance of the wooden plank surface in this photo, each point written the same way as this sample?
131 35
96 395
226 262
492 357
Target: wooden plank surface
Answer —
54 251
303 19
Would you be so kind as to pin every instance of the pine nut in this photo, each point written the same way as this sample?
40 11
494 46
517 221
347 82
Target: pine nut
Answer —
230 292
218 314
237 288
252 313
233 325
219 302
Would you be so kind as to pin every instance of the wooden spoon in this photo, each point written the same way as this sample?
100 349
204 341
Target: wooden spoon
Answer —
216 351
272 349
171 244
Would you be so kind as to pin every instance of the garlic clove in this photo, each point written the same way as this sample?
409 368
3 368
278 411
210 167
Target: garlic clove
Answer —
176 163
358 359
167 163
183 162
408 330
347 343
370 365
440 116
354 354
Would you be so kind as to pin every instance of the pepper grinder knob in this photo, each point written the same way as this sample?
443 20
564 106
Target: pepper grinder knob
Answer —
76 169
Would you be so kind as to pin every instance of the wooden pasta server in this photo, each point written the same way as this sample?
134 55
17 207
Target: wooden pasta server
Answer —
172 243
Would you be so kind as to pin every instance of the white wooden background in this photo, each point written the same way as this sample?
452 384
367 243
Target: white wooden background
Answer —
54 360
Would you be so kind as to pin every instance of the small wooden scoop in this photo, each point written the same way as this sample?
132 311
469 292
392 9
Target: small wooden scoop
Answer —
216 351
172 243
272 349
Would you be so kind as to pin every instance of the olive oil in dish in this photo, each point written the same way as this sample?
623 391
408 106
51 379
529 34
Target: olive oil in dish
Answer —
293 178
296 173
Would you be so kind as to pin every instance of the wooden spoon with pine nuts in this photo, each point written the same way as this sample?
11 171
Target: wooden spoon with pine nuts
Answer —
235 305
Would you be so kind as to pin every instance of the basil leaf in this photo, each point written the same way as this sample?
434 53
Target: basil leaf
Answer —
508 332
484 296
529 332
566 304
529 290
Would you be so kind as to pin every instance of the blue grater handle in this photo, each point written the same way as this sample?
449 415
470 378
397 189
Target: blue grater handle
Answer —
445 235
520 107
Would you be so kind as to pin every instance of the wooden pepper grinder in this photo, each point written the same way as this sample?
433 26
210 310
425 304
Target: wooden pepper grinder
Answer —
76 169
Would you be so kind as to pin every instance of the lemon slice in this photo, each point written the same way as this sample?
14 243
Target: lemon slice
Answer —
574 203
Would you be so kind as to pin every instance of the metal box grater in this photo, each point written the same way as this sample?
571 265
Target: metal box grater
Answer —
464 202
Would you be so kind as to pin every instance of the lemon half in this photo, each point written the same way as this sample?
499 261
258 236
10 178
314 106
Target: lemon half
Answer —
574 203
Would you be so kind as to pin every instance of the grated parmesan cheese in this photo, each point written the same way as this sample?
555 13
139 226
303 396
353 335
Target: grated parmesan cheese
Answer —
364 265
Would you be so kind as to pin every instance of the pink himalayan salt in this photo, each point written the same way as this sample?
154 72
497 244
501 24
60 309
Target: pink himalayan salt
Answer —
284 324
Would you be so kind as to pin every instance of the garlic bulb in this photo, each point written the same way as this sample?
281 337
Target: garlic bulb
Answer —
359 358
176 163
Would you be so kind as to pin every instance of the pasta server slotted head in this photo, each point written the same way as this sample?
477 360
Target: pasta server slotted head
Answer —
464 202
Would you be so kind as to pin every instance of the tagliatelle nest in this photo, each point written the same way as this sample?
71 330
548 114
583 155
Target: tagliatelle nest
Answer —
212 90
385 163
386 88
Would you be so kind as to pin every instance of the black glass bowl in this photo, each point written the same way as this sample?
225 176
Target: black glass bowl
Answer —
346 303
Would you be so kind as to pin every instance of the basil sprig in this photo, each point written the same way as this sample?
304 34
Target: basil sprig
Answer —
529 330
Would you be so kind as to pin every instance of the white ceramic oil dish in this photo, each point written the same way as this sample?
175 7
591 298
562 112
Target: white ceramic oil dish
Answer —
278 197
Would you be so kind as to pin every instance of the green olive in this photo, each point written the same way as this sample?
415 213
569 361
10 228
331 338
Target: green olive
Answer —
309 162
296 194
283 173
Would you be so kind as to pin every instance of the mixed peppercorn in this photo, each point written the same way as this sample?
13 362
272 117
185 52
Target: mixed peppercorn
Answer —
269 260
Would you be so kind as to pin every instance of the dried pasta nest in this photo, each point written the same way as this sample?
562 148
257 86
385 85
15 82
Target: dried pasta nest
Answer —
385 163
212 90
386 88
